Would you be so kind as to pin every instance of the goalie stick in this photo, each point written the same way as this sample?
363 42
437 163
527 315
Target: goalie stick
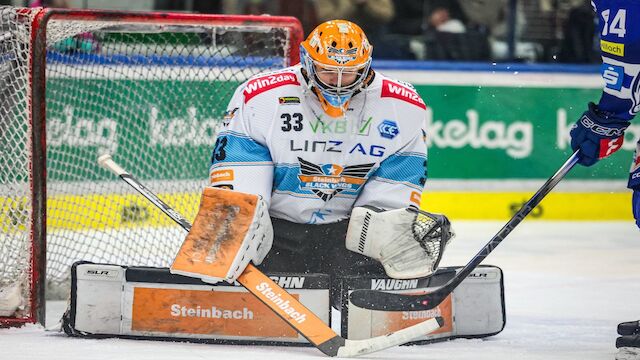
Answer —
255 281
378 300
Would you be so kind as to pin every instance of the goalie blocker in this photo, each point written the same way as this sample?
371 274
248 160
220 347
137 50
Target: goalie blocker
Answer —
151 303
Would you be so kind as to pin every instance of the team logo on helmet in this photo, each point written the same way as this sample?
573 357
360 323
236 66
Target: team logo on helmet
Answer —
342 56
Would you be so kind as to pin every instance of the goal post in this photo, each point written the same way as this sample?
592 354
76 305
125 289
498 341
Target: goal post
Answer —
149 88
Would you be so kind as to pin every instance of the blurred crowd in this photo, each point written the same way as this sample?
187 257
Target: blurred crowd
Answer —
464 30
455 30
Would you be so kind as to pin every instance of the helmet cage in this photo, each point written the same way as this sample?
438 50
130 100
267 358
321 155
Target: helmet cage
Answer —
337 95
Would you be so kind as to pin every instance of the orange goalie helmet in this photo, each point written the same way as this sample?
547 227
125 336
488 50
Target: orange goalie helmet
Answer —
336 56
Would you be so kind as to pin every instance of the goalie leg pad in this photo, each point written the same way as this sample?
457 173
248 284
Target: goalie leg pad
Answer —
475 309
150 303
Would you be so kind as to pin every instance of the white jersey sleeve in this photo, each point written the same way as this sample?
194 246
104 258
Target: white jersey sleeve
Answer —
399 179
241 159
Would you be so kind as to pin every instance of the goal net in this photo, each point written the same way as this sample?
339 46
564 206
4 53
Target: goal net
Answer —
150 89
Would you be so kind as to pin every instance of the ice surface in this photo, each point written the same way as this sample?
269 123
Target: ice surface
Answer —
567 286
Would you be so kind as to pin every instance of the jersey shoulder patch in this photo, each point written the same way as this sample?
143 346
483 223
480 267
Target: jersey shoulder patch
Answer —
265 82
402 92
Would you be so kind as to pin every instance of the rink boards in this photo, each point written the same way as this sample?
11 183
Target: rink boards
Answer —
495 133
132 210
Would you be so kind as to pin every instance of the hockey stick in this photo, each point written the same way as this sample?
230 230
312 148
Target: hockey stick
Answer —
378 300
306 323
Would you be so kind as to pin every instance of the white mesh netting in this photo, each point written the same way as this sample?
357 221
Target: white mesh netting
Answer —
153 96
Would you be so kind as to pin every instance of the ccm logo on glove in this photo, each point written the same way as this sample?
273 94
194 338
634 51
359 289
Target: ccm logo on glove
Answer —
600 129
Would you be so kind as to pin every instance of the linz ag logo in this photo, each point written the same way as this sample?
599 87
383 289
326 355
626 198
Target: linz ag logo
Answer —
388 129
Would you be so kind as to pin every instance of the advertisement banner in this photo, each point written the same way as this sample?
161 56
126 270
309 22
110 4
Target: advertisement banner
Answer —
511 133
474 132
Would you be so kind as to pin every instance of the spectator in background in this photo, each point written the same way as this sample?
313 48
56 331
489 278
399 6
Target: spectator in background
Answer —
373 16
447 36
579 44
440 19
491 17
409 18
303 10
201 7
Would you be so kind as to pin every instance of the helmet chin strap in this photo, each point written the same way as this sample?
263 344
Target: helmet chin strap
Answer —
329 109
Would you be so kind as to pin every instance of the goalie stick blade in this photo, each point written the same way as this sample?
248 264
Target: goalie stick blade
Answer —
362 347
385 301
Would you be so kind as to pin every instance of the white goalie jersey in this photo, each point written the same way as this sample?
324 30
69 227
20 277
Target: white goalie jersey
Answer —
311 168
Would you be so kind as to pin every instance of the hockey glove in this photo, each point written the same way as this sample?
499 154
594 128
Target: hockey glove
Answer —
597 134
408 242
231 229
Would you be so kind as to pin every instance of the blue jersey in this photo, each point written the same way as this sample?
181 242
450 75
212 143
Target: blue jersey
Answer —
619 26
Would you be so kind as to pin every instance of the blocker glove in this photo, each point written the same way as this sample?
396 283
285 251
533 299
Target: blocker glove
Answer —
597 134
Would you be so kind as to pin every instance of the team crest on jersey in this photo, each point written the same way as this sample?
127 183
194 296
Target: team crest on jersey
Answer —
228 116
265 83
328 180
404 93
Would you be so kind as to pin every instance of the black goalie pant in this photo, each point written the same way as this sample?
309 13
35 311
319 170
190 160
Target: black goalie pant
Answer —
307 248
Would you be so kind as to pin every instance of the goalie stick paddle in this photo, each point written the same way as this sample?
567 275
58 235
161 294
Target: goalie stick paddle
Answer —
306 322
378 300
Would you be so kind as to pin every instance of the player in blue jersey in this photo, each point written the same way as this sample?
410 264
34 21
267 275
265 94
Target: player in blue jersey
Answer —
600 130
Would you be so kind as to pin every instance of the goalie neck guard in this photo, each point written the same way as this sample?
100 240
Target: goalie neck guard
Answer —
336 56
